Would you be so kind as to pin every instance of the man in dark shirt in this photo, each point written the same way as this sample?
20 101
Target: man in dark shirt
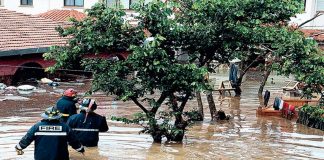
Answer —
87 124
66 104
51 138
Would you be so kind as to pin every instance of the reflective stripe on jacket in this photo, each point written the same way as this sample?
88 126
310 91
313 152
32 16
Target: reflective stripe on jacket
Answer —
88 132
51 138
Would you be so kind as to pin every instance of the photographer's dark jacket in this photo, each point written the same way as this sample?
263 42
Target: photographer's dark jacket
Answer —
87 131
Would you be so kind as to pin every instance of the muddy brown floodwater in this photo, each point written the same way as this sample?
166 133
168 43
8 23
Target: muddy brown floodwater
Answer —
246 136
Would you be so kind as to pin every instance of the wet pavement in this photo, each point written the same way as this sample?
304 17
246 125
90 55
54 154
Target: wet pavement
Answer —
246 136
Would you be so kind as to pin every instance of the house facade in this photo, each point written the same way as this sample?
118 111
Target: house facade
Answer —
40 6
312 7
24 38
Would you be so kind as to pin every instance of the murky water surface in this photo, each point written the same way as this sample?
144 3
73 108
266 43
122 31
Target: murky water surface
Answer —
246 136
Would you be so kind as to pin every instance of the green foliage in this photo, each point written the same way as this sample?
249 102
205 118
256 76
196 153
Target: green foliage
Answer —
207 30
314 112
155 71
223 29
217 29
139 118
302 58
102 31
163 121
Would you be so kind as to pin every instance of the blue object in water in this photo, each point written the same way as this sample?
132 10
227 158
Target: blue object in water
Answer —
53 84
233 73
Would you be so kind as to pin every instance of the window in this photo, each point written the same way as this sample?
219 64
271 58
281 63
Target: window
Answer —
1 2
113 3
125 4
78 3
26 2
320 5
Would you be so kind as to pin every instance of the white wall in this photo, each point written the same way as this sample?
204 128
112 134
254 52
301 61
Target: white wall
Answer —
41 6
310 11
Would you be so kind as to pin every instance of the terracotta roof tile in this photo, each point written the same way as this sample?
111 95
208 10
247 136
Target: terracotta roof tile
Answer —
21 31
63 15
318 35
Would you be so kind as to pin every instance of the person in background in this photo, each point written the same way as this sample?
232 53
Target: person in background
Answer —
51 138
266 98
87 124
66 104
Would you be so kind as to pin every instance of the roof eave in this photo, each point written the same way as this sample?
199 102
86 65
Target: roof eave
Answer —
20 52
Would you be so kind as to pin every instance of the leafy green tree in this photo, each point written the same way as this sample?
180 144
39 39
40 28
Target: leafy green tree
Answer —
161 81
218 30
102 31
207 30
250 30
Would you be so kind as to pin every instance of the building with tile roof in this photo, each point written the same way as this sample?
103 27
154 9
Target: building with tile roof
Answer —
24 39
316 34
63 15
20 32
311 21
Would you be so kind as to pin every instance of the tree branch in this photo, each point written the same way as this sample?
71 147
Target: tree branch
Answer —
183 104
139 104
174 103
254 61
159 102
315 16
250 65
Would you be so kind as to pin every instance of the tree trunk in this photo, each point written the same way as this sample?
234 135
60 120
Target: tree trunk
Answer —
239 80
157 137
265 78
211 103
200 107
181 125
156 133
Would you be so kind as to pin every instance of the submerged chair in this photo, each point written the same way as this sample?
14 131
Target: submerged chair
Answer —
291 86
225 86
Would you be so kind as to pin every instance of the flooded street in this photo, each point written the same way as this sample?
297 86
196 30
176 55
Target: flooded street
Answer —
246 136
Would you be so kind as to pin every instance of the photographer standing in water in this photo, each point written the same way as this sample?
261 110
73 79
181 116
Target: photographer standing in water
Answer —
87 124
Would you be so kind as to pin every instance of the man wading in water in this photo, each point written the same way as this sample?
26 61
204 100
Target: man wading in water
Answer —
51 138
66 104
87 124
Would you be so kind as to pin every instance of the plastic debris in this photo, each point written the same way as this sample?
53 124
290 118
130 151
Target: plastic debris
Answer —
11 88
2 86
46 80
26 88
